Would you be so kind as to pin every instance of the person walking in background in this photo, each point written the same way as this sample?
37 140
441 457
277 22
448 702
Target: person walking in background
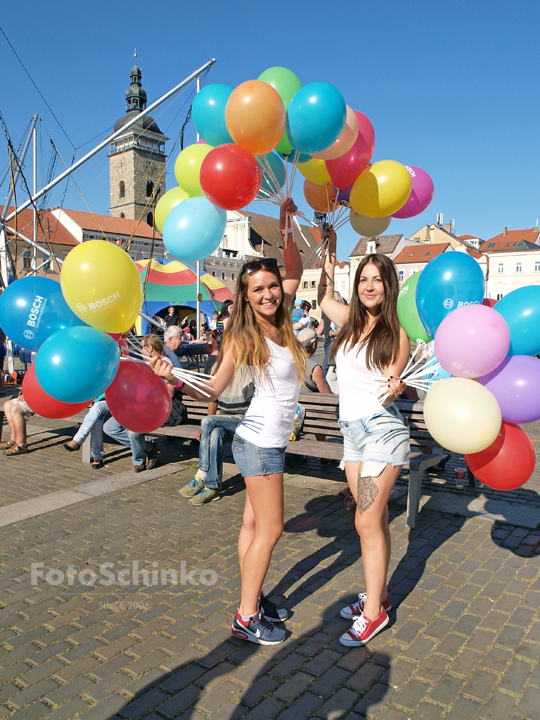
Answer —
171 318
260 337
370 344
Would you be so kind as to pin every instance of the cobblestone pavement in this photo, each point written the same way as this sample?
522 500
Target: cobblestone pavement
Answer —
464 639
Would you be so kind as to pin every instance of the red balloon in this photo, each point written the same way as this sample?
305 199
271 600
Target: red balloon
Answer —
45 405
344 170
490 302
230 177
137 398
508 462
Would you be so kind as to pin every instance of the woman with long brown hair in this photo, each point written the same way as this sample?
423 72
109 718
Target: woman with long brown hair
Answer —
259 336
370 344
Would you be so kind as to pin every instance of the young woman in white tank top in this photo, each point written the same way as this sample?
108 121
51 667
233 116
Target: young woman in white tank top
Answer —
370 343
260 336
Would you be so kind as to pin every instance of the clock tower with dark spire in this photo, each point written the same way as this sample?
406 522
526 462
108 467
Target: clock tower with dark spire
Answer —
137 159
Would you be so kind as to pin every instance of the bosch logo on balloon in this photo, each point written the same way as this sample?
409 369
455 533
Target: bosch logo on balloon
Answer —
466 302
81 307
28 334
35 311
99 304
448 303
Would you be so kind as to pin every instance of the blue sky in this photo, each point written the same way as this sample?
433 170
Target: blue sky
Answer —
449 87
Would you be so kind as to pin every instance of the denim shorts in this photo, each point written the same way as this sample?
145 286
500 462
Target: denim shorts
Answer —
253 460
382 437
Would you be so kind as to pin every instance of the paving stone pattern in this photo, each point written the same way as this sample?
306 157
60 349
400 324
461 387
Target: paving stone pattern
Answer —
463 643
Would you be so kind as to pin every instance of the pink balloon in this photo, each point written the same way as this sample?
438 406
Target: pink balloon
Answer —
471 341
137 398
345 169
421 193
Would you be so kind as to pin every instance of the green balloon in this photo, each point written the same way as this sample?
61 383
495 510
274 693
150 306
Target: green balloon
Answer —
284 81
407 312
287 84
171 199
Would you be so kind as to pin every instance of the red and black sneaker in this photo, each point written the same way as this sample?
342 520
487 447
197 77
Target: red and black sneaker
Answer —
364 629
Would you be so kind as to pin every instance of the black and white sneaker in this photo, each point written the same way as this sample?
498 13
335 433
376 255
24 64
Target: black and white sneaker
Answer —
271 610
258 630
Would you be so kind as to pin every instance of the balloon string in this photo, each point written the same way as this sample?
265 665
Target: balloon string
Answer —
272 177
296 157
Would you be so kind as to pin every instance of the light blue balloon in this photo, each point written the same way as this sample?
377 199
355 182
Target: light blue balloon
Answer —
438 372
315 117
77 364
268 185
300 158
521 310
449 281
208 114
32 309
194 229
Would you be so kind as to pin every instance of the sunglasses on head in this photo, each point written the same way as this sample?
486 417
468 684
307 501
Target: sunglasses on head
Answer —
254 266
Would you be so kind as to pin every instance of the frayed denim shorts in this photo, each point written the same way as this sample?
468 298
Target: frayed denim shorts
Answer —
253 460
382 437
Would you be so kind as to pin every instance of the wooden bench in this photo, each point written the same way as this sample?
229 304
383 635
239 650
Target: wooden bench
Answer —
322 418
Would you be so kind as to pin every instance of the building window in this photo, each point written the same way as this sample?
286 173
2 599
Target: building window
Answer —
122 189
401 274
537 266
213 273
225 242
223 275
343 285
150 219
491 245
27 262
313 304
501 267
233 277
313 284
122 215
519 267
305 284
499 296
149 188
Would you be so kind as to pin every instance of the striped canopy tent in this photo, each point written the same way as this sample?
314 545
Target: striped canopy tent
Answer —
171 282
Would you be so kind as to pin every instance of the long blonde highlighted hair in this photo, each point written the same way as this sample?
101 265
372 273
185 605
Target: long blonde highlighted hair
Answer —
243 333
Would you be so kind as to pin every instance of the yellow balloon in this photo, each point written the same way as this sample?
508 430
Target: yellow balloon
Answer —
462 415
171 199
102 285
315 170
368 226
187 168
382 189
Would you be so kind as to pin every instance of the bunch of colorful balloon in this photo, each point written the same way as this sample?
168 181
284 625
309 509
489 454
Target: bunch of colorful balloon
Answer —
77 327
247 134
490 378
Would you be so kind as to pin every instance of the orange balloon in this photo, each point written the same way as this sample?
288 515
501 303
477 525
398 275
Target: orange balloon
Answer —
320 197
255 116
344 142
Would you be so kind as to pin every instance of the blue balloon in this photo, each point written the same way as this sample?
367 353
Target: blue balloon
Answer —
268 184
449 281
521 310
315 117
77 364
208 114
194 229
438 372
32 309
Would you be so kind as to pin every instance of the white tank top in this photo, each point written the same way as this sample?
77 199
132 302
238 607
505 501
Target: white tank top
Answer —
357 385
269 419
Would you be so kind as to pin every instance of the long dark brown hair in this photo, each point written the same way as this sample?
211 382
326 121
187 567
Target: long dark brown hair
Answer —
245 336
382 343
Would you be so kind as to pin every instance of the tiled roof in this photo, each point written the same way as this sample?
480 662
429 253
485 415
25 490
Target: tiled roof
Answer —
265 236
510 241
420 253
108 224
468 237
56 232
387 244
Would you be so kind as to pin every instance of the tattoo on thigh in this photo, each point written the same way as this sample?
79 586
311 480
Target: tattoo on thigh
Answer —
367 493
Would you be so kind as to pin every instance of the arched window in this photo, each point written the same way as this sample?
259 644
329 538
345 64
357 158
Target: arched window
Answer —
149 188
122 188
150 219
122 215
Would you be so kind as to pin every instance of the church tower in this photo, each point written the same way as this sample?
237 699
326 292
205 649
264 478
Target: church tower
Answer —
137 159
